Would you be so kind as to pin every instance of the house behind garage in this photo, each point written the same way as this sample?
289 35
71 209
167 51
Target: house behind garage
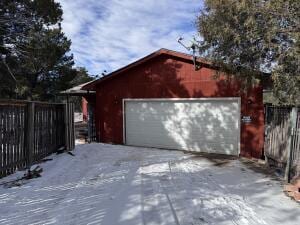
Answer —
163 101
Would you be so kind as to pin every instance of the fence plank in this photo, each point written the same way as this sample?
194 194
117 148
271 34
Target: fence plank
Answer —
295 160
1 141
30 133
292 127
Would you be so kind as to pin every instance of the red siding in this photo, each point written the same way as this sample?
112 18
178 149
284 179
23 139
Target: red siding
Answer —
170 77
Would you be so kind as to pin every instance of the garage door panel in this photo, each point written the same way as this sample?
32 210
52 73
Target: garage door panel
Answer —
199 137
206 126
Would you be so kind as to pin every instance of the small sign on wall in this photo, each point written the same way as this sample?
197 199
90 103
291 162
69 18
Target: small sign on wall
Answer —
246 119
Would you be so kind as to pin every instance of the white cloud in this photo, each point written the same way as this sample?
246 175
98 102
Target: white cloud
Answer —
108 34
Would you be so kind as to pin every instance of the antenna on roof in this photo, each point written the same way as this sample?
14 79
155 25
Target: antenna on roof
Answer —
189 48
179 40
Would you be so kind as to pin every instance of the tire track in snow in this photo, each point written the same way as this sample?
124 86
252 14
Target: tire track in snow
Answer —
157 207
218 198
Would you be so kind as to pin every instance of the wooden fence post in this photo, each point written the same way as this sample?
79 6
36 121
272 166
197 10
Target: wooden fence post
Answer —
30 134
72 132
293 121
69 126
66 126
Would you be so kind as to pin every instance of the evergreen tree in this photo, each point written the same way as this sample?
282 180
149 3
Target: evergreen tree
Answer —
34 50
247 37
81 76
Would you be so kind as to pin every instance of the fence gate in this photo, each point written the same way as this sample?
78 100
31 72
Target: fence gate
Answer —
30 131
282 139
91 124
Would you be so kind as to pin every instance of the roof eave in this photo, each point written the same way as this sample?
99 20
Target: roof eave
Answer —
92 86
77 93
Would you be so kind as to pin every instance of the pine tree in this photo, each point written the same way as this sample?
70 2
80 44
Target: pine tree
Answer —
34 50
248 37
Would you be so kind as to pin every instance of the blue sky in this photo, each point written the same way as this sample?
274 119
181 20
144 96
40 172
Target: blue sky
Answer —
109 34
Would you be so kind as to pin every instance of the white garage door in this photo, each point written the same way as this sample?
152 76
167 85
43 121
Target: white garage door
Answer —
202 125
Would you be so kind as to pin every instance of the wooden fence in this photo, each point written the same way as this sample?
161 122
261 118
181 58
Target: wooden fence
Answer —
30 131
282 139
92 136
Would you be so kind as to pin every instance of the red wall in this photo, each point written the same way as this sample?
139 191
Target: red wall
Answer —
170 77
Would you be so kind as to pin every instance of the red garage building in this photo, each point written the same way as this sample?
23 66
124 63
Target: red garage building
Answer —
163 101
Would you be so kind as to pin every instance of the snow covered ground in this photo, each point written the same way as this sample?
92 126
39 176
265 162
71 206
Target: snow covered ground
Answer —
111 185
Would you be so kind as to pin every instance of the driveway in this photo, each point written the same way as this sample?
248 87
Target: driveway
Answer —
111 185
